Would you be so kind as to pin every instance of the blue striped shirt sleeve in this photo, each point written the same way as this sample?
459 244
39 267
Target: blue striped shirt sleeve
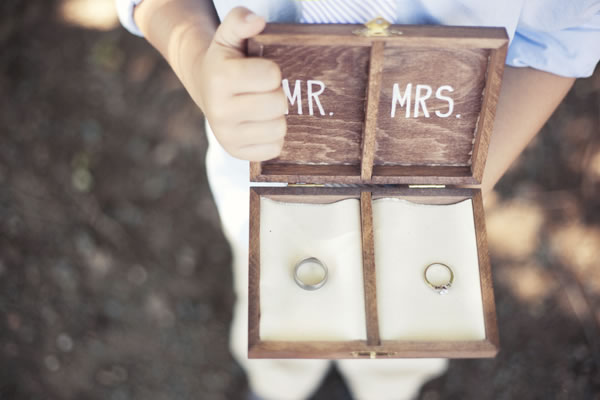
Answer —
563 41
125 12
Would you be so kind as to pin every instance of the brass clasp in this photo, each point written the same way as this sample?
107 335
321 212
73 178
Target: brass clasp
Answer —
372 354
377 27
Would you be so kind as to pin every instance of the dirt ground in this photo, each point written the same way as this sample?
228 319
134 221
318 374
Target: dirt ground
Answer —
114 273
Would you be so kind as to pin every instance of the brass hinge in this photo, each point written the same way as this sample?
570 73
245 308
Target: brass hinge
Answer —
377 27
426 186
373 354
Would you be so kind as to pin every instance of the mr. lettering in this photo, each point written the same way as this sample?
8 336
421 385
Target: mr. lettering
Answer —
313 89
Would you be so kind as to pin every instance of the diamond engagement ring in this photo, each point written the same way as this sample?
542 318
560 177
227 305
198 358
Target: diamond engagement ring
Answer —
441 277
310 273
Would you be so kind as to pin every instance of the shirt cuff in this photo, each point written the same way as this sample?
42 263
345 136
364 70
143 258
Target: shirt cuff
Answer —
125 10
571 52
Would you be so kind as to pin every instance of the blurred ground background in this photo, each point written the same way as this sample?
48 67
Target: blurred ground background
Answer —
114 274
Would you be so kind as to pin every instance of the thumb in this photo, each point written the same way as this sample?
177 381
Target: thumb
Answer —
239 25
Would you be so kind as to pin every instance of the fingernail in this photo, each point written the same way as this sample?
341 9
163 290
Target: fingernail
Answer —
252 17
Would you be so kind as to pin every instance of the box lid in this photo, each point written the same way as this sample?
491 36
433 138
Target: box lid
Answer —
383 104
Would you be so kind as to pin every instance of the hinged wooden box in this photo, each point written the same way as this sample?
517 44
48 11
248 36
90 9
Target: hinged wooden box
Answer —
376 112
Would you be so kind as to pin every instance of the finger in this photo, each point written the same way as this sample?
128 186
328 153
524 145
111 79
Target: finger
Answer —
258 106
239 25
252 75
259 152
263 132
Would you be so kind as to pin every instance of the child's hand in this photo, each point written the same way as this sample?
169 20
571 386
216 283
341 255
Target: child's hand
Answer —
242 97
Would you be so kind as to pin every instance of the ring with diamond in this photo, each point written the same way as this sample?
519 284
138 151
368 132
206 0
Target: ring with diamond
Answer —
310 273
440 287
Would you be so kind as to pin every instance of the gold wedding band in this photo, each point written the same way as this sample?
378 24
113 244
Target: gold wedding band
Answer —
441 288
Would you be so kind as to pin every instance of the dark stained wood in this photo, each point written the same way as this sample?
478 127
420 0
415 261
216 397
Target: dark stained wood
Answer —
254 48
440 196
254 271
488 111
363 349
255 171
370 126
412 35
423 171
485 273
308 199
415 174
309 173
334 137
308 195
434 141
326 195
431 56
369 279
387 349
350 174
343 148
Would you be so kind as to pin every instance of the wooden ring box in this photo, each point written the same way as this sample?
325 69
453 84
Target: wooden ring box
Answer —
400 113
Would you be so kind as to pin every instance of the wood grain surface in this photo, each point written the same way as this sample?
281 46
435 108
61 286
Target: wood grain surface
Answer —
434 140
255 171
254 271
488 110
485 273
412 35
357 141
333 138
370 125
369 278
359 349
453 60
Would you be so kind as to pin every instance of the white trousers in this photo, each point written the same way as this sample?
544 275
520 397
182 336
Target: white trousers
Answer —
397 379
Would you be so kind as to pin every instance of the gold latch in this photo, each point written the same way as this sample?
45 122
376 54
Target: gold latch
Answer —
377 27
426 186
372 354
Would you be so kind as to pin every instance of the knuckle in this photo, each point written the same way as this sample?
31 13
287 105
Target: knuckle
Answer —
244 130
273 150
217 114
280 101
234 13
279 145
209 113
283 100
238 152
252 135
272 74
253 153
275 104
222 137
262 152
235 153
280 128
